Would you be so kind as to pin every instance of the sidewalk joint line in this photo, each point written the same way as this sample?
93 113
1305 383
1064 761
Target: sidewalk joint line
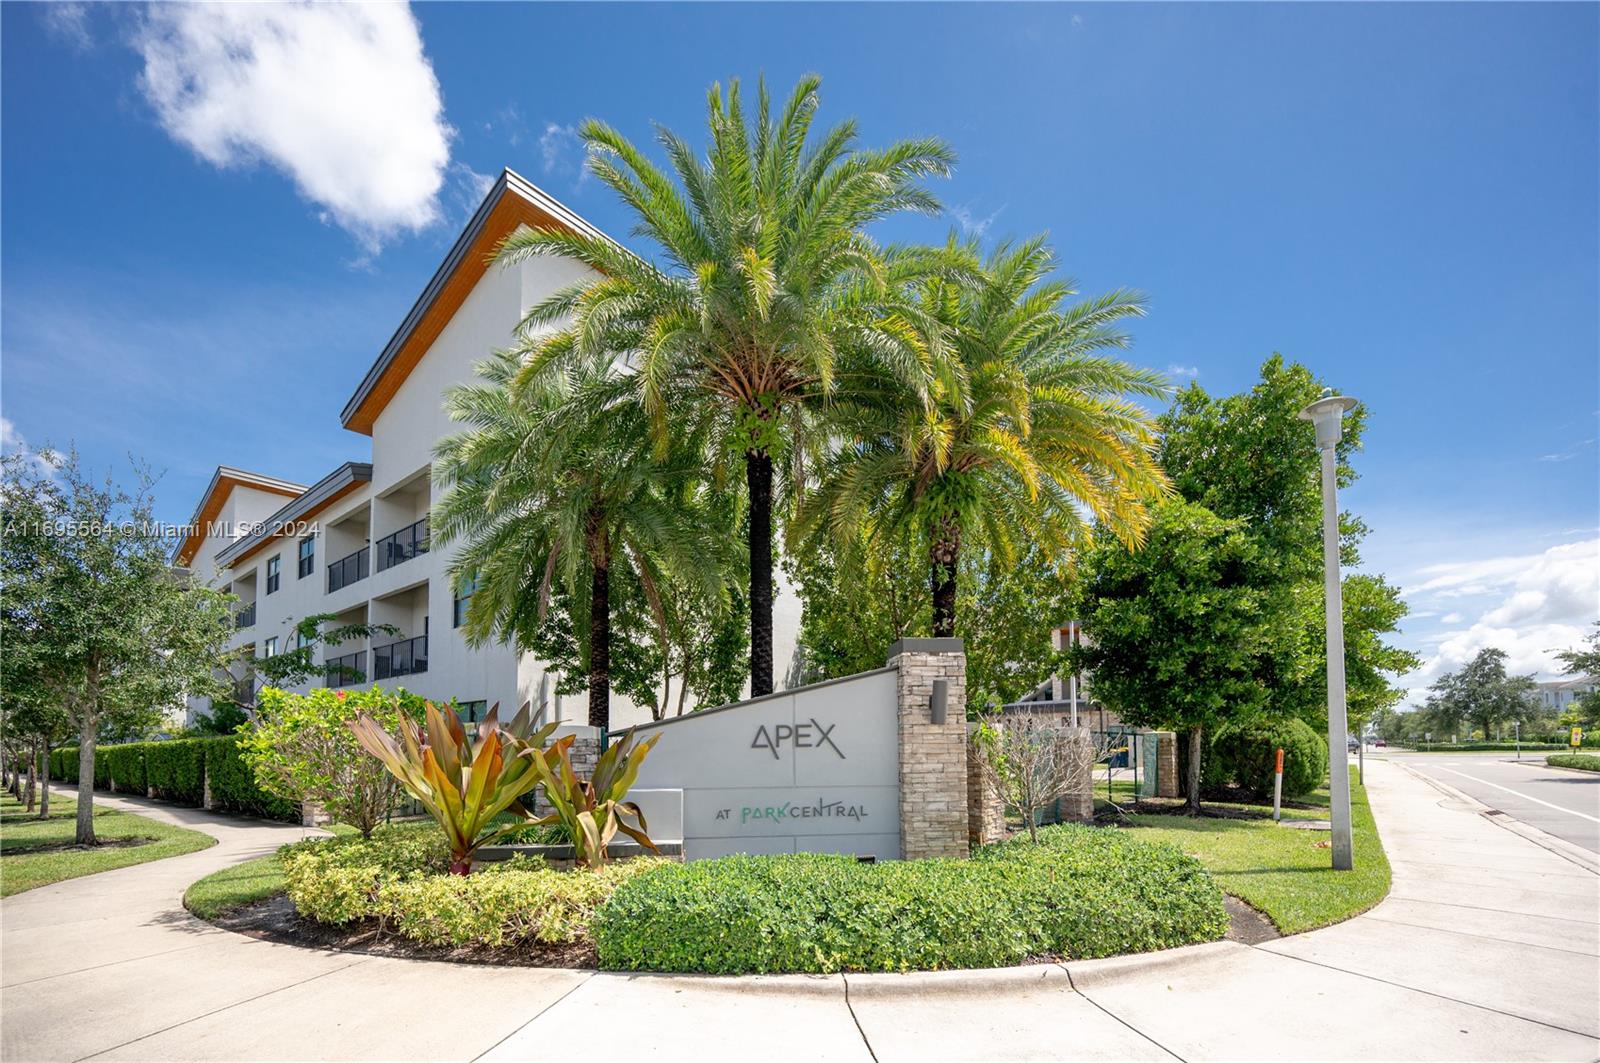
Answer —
845 978
1426 992
216 1011
108 963
1115 1017
535 1016
1478 937
1477 908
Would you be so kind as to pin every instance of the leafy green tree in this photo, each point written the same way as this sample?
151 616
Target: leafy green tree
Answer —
1248 456
1183 631
1027 442
559 480
1584 661
1481 694
765 282
120 635
855 603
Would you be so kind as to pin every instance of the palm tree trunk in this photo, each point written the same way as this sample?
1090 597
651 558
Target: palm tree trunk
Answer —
758 478
944 551
600 647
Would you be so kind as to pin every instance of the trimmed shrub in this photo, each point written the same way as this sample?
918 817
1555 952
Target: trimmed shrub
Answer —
125 766
1247 756
399 877
233 785
64 764
102 769
1080 893
176 770
1581 761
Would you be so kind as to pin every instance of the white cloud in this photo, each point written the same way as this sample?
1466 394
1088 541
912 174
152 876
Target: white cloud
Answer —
69 22
1183 370
12 442
1532 605
970 223
561 151
340 97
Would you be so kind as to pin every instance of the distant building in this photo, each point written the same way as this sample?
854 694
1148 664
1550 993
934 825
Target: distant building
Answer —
1556 695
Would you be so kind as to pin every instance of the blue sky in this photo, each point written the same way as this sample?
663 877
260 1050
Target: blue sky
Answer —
213 222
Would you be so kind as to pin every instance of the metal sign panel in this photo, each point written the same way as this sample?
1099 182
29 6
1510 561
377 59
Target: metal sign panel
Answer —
810 770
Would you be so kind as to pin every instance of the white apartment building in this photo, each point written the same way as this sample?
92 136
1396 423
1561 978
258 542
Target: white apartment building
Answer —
355 544
1558 695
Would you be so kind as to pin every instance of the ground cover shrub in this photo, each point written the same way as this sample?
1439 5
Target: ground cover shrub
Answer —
1247 756
1079 893
1581 761
401 878
124 766
176 770
233 785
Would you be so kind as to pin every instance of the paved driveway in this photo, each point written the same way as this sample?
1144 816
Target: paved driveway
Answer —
1486 949
1558 801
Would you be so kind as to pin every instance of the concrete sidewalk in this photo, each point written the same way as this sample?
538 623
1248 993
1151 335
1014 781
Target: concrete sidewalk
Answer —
1487 948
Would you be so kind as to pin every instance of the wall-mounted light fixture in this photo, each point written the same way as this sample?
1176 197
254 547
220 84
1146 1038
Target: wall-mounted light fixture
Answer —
939 699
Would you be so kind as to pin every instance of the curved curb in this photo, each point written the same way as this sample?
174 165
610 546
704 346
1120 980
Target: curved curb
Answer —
1096 974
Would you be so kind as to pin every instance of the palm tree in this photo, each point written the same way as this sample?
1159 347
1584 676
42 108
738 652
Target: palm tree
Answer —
1038 442
560 480
765 278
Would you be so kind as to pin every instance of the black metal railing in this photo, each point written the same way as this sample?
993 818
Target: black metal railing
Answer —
348 570
342 671
403 545
407 657
245 617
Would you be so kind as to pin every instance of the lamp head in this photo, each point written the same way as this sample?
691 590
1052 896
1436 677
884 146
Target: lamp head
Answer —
1327 414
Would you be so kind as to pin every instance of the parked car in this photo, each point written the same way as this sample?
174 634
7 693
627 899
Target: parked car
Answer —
1352 743
1378 743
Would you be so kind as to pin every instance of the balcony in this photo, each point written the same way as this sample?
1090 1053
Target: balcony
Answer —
403 545
342 671
245 617
348 570
400 658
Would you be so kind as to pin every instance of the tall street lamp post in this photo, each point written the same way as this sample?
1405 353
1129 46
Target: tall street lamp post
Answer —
1327 414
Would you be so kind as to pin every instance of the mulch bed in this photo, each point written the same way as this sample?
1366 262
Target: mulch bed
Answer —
1246 924
274 919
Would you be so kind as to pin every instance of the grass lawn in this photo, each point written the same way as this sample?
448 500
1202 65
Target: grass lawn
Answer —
35 852
234 887
1280 870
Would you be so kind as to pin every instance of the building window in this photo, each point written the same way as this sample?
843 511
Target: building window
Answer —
471 714
270 647
308 556
469 587
274 569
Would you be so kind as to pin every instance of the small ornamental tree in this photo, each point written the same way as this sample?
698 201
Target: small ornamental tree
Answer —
301 748
1183 633
1032 759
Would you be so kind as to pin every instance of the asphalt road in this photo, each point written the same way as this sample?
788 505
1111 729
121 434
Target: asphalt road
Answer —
1563 803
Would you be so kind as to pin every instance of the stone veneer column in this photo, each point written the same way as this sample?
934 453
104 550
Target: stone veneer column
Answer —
933 757
1166 764
986 814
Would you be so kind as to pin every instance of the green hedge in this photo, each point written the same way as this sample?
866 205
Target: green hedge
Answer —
1081 893
1498 747
64 764
1581 761
233 785
176 770
125 766
1247 757
102 769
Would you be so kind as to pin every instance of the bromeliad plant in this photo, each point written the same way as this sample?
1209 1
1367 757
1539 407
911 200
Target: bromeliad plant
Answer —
464 783
592 811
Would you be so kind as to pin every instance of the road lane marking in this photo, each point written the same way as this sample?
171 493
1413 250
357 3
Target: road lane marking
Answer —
1519 793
